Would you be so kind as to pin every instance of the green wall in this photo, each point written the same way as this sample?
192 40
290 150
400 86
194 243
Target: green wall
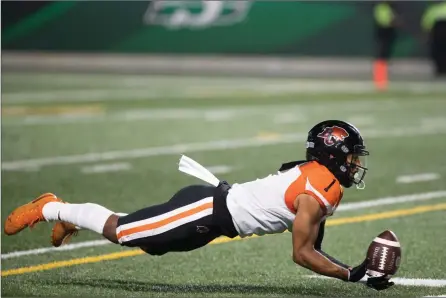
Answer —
232 27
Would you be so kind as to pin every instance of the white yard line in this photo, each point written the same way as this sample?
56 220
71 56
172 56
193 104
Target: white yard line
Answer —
220 169
393 200
206 88
343 207
290 117
433 121
419 282
185 89
206 146
38 251
417 178
414 282
137 115
282 113
146 152
184 92
361 120
106 168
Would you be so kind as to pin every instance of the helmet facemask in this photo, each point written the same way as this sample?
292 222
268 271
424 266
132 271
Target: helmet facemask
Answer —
357 166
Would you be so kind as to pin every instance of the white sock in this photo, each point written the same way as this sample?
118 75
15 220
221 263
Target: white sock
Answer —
86 216
118 214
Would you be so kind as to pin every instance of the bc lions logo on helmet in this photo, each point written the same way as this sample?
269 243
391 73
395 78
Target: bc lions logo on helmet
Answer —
333 135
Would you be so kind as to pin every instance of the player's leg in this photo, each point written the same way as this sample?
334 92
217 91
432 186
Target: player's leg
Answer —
184 223
103 221
438 44
170 241
62 232
48 207
385 40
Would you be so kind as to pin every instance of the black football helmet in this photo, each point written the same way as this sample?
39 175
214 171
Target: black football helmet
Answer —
330 142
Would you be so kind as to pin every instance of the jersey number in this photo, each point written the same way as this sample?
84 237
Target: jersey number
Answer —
330 185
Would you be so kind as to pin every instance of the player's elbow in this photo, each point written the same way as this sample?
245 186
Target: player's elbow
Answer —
300 257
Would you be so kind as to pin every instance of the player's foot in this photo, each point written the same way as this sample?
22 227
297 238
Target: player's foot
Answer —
62 233
28 215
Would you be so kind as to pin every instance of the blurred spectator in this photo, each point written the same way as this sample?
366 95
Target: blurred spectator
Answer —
386 22
433 23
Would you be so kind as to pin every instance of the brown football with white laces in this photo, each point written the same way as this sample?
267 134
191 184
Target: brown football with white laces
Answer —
384 255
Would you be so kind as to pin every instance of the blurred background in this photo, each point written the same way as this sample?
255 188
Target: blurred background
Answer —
296 38
100 99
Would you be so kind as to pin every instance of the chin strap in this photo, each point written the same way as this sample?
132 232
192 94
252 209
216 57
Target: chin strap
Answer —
360 185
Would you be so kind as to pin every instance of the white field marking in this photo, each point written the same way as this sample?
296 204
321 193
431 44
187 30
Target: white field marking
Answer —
167 93
219 116
211 89
361 120
215 114
414 282
393 200
61 119
220 169
433 121
343 207
120 81
70 79
105 168
180 91
151 151
206 146
43 250
131 115
110 81
417 178
290 117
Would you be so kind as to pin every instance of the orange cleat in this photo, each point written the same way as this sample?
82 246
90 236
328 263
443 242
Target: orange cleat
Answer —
28 215
62 233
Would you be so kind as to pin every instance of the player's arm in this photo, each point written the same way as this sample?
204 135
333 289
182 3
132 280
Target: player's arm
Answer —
304 234
318 246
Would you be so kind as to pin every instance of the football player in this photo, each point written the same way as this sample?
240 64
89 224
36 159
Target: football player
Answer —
298 198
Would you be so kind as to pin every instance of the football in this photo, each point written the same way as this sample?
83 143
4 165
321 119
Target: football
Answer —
384 254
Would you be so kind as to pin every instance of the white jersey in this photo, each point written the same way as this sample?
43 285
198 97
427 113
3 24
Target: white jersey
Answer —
265 206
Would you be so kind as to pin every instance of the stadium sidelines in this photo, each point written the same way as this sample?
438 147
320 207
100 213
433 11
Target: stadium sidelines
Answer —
343 207
208 146
135 252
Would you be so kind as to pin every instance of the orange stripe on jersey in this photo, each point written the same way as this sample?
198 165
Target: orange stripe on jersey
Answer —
165 221
321 179
296 188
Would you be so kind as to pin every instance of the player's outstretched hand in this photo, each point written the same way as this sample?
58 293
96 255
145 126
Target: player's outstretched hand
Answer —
379 283
358 272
